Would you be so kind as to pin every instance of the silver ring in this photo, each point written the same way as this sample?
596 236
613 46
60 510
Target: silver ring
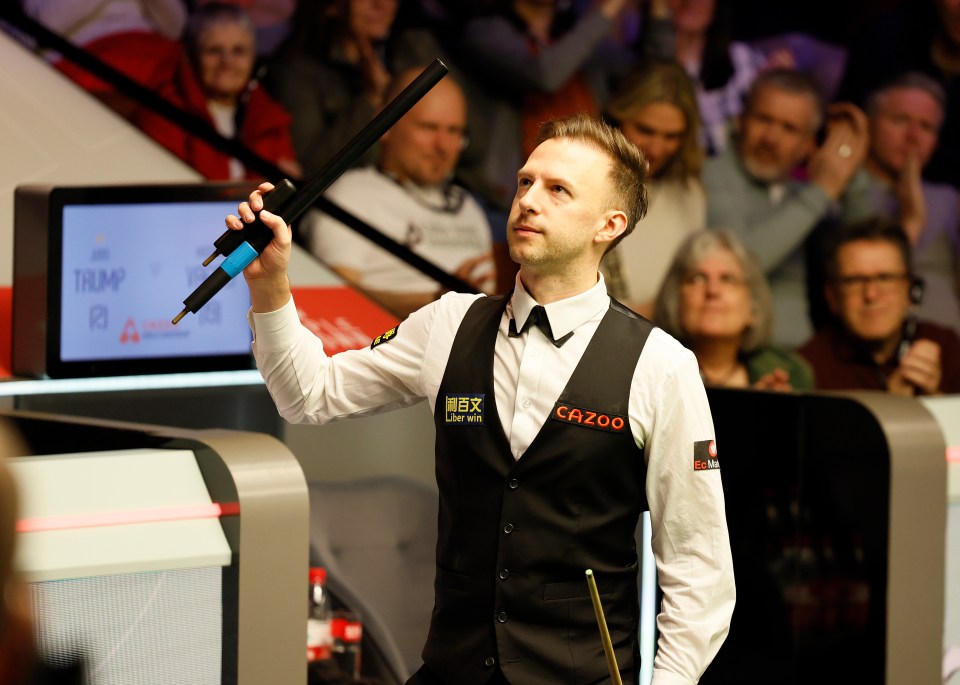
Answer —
844 150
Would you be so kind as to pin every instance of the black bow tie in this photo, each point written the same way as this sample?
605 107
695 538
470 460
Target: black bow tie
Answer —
538 318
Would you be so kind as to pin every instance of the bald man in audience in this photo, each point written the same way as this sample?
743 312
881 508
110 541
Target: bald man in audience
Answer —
410 196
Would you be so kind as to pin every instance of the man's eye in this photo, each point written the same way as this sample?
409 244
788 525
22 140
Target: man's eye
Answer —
559 189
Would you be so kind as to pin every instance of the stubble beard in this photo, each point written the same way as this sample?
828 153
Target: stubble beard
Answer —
544 258
765 172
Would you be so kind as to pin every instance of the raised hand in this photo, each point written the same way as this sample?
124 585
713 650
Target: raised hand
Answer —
919 372
913 206
376 76
266 275
843 150
478 272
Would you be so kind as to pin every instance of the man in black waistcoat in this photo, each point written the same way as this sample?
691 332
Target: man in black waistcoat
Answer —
560 414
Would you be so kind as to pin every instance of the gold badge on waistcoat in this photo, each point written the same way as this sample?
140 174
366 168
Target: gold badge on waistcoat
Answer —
386 336
463 410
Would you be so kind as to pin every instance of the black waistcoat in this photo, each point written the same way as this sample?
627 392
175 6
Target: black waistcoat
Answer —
515 536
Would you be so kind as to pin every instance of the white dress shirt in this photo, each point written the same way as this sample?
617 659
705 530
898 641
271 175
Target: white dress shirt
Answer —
668 413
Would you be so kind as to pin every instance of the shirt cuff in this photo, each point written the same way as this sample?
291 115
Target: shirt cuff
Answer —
274 330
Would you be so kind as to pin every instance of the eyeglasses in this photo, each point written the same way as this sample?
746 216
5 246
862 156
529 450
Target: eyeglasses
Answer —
226 51
700 280
882 282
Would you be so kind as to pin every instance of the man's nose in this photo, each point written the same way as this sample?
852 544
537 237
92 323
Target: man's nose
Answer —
450 143
529 201
870 289
770 135
914 134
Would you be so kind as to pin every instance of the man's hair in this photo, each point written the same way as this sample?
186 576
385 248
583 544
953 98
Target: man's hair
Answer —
663 81
789 81
688 258
913 80
875 228
628 168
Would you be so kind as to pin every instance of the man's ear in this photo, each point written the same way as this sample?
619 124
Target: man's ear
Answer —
614 226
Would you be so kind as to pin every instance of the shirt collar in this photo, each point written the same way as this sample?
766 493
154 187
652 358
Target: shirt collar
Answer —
565 315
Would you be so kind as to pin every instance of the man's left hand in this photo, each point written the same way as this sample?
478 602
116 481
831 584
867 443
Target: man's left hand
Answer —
919 372
479 272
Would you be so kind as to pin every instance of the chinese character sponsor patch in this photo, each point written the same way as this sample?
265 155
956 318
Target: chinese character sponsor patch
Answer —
588 418
464 410
386 336
705 455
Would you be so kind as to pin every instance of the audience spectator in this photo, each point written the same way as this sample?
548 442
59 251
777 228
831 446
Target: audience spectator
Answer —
137 37
84 21
905 118
656 109
271 19
874 340
716 301
918 36
214 81
333 71
722 69
409 196
534 60
752 189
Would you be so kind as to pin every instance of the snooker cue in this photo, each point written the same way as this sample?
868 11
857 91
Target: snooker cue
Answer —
604 633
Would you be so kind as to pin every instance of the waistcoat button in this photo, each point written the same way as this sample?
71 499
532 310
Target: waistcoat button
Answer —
504 574
502 617
508 528
489 661
513 484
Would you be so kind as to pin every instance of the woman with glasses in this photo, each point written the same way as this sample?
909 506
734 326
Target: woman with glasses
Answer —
716 301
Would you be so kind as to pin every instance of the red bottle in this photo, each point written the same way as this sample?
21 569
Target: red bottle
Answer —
319 618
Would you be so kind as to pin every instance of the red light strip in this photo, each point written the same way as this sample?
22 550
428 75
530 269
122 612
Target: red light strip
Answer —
120 518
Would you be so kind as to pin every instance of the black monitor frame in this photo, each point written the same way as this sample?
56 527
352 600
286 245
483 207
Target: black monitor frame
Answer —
38 260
